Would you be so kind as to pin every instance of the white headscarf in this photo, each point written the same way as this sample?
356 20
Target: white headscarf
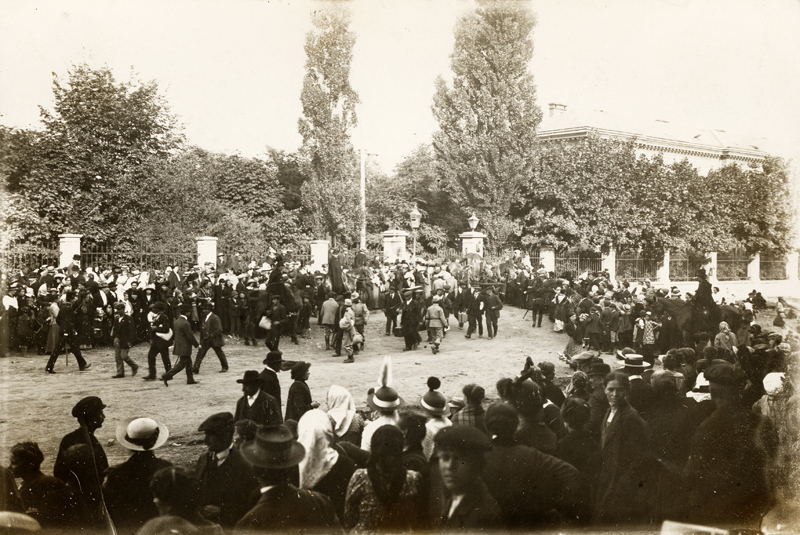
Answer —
341 409
315 433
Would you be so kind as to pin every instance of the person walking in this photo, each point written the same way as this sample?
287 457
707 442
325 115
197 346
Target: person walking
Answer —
160 336
493 308
391 306
123 333
184 341
436 323
475 310
211 337
69 336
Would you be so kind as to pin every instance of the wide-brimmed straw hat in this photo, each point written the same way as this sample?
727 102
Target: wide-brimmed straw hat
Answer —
132 433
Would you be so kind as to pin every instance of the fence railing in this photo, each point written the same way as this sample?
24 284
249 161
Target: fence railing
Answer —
17 256
638 265
772 270
572 263
684 268
101 257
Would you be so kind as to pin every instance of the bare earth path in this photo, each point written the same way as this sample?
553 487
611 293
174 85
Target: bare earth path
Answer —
36 406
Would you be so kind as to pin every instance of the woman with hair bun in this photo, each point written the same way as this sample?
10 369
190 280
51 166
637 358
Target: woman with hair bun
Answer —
473 413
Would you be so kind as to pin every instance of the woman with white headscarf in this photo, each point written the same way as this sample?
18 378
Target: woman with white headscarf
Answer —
325 468
726 338
347 423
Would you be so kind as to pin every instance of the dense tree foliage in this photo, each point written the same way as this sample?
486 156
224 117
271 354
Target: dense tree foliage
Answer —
487 117
330 194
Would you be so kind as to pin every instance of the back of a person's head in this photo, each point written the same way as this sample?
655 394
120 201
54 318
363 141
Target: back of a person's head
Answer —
710 353
177 487
473 394
575 412
29 454
501 420
412 424
668 361
701 338
664 385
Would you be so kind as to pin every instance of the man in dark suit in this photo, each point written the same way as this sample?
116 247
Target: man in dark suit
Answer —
211 337
461 451
159 325
280 320
475 308
89 413
227 479
270 383
184 341
391 306
642 394
284 508
256 404
69 335
410 319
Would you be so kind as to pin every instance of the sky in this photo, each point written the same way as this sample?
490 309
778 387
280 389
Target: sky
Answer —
232 70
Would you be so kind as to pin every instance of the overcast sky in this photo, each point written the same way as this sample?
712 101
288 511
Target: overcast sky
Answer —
232 69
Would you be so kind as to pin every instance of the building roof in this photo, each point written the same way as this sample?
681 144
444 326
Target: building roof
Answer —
568 124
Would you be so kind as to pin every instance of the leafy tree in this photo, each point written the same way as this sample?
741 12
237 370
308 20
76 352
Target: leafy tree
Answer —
98 131
330 195
290 176
486 143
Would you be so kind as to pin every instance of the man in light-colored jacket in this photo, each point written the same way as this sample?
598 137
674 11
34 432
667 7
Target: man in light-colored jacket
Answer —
436 322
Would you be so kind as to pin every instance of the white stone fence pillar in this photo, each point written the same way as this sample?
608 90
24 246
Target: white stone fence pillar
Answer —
69 245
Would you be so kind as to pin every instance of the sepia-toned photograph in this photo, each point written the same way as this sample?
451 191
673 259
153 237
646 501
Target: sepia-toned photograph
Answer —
255 256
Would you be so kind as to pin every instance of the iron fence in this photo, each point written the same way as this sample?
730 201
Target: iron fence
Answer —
573 263
30 255
772 268
638 265
141 256
732 266
684 267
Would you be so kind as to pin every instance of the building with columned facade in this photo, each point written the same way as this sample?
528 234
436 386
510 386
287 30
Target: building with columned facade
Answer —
705 149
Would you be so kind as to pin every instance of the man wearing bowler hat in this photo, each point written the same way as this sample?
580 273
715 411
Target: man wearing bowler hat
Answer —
256 404
211 337
159 325
274 453
228 480
598 401
270 383
184 341
641 394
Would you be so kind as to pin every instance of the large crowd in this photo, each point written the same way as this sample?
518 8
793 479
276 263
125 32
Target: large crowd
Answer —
697 430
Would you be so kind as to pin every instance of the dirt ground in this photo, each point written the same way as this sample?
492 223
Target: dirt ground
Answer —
37 406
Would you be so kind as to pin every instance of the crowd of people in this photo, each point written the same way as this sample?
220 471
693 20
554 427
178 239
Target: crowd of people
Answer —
701 432
614 448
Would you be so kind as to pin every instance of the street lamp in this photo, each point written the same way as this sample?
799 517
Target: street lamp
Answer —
473 222
416 218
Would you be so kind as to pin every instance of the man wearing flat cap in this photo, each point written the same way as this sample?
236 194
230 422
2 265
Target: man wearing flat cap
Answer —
468 505
227 479
728 474
283 508
89 413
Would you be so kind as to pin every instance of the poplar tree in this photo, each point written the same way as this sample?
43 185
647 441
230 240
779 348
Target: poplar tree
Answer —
330 195
487 116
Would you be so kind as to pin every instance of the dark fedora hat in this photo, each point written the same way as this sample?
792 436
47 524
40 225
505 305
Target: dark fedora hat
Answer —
273 447
250 376
216 421
599 368
273 357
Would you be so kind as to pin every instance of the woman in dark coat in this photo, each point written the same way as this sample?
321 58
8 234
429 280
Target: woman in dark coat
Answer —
624 484
299 400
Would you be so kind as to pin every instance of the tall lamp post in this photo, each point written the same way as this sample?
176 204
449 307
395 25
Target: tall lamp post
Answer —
416 218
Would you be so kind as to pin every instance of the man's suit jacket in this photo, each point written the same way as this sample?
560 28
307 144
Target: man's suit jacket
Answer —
212 330
184 338
641 396
284 509
265 411
227 486
270 383
477 511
